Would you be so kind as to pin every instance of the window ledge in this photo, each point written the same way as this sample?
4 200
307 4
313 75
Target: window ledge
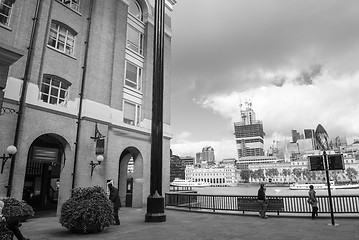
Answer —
6 27
61 52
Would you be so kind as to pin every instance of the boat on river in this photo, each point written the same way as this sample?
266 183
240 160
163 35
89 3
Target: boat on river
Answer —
188 183
321 186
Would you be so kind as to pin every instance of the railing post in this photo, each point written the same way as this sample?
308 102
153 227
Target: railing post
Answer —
213 207
189 202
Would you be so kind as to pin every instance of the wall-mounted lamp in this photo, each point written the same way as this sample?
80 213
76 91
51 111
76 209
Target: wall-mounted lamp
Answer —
99 159
11 150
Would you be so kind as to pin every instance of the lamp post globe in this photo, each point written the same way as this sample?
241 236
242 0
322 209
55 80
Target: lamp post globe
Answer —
11 150
99 159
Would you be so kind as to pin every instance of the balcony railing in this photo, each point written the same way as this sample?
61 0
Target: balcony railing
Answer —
348 204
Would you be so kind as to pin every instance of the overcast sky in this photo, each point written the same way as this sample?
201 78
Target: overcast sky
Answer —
296 61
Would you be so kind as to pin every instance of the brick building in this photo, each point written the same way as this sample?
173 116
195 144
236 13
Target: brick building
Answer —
86 72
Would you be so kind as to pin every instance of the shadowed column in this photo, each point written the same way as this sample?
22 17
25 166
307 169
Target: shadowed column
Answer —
155 201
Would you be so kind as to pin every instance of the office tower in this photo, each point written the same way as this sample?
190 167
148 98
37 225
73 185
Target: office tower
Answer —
249 133
208 155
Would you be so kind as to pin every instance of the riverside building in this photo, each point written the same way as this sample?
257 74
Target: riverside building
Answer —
217 176
79 74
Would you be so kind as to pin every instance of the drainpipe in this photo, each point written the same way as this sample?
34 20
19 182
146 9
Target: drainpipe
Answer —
81 95
23 92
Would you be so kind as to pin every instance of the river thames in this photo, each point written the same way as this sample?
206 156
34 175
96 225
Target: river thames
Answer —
271 191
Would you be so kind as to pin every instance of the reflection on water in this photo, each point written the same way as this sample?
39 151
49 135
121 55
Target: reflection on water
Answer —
271 191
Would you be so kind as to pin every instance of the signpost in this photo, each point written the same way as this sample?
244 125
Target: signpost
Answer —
325 162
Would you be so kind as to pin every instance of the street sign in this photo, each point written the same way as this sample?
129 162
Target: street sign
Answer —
316 163
336 162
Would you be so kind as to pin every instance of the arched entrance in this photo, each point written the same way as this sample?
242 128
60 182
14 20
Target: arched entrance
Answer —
130 176
42 178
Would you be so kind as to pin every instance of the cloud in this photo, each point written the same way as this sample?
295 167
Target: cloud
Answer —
330 100
183 136
270 35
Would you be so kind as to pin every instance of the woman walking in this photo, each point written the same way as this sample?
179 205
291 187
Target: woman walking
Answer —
313 201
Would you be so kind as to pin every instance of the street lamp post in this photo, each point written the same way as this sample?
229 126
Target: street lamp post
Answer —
155 201
322 140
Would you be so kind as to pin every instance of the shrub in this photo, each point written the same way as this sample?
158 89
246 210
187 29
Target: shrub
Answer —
16 210
87 211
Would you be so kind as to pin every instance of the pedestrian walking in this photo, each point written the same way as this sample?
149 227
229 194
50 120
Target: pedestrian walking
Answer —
262 199
115 198
312 200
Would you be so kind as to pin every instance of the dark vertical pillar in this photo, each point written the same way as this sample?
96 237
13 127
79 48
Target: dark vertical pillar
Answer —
328 185
155 201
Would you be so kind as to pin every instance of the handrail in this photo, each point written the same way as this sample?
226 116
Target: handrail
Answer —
347 204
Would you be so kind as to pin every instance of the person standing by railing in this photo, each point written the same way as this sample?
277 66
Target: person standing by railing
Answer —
313 201
262 199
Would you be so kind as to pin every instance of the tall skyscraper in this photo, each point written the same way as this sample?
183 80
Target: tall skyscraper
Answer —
308 133
249 133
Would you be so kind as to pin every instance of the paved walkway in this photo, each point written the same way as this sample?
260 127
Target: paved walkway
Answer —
182 225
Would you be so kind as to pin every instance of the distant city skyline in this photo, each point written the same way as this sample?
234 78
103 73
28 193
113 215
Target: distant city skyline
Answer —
295 60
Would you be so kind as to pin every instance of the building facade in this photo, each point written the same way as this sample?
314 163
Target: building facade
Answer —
217 176
85 75
249 134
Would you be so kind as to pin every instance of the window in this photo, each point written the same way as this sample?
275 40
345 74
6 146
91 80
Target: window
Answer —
131 113
135 10
54 91
134 39
5 11
61 38
133 76
73 4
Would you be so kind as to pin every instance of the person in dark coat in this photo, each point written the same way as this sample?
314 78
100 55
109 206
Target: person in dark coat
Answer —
313 201
115 198
262 199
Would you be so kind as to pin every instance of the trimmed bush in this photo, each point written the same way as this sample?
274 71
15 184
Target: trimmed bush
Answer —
16 210
87 211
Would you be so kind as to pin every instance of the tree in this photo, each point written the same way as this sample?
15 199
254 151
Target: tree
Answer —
297 172
305 173
245 175
351 173
286 172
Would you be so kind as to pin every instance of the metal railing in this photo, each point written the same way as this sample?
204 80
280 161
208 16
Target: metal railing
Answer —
292 204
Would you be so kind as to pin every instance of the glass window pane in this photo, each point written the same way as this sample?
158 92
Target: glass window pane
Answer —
131 72
45 88
130 111
46 80
135 9
53 100
62 94
54 92
44 97
55 82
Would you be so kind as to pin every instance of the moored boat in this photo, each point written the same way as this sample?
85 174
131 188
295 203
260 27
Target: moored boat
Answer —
188 183
321 186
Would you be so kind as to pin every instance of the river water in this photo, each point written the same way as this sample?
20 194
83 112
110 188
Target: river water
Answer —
271 191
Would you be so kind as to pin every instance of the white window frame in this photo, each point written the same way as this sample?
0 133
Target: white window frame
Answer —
63 86
138 16
63 31
137 46
139 73
73 4
7 17
137 117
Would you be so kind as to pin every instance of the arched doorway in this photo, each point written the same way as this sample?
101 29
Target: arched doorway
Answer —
42 178
130 176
